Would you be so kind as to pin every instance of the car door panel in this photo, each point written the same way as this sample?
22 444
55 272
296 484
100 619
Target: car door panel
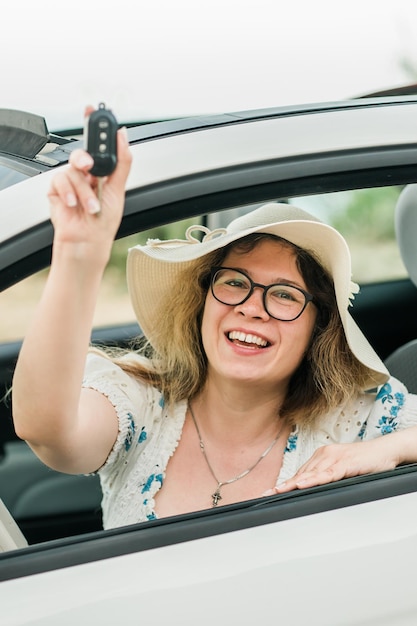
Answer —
265 567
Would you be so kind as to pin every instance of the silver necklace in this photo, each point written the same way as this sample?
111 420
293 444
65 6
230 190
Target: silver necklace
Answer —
216 496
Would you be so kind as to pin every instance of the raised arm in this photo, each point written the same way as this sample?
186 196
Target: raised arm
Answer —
70 429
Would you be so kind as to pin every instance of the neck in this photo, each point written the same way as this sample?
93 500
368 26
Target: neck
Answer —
233 415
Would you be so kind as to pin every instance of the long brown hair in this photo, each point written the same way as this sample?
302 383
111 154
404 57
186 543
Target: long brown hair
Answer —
327 377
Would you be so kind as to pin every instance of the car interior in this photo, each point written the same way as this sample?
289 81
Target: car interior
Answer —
38 504
402 363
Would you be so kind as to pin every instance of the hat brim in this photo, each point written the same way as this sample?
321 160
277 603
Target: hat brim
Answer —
154 268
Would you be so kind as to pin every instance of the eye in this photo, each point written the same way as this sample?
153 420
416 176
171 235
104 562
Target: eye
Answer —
281 294
286 294
237 283
232 280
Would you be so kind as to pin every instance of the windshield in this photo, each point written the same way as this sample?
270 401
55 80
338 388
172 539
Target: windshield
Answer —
10 174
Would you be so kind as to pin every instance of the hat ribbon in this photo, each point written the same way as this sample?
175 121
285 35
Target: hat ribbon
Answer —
208 236
354 289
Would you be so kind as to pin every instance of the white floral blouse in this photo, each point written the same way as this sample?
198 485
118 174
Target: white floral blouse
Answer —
149 434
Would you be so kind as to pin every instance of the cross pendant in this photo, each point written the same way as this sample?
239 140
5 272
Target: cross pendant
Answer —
216 496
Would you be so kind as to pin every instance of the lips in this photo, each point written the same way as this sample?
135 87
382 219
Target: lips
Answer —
247 339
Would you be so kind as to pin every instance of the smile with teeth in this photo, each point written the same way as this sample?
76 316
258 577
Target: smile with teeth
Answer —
239 336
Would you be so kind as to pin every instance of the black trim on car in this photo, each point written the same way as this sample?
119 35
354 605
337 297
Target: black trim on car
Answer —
180 126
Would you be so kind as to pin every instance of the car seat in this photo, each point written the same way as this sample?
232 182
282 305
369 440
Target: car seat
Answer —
402 363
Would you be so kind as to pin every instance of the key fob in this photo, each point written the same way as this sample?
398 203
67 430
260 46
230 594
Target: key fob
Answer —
100 139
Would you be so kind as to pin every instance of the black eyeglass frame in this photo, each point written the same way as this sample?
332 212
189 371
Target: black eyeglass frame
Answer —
307 296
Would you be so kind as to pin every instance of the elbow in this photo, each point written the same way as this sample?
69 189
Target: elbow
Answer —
19 423
29 426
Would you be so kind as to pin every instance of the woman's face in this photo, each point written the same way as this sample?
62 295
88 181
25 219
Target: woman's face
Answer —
275 349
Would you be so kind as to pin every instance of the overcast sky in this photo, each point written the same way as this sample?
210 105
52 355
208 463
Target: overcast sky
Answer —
164 58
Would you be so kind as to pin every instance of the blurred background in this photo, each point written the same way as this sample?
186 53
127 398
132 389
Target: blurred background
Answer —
168 58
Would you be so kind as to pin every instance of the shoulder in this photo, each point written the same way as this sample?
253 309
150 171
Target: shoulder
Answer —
367 415
144 422
104 375
343 423
394 408
136 403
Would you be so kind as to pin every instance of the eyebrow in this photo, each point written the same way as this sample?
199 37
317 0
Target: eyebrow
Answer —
278 281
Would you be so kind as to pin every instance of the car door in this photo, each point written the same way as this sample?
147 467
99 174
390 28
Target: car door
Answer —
315 556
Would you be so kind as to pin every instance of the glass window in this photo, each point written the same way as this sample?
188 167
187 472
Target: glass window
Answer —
365 217
17 306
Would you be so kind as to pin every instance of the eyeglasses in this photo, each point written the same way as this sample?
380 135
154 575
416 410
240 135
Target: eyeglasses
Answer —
281 301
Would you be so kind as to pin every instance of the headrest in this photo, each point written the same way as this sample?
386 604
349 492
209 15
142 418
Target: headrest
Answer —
406 229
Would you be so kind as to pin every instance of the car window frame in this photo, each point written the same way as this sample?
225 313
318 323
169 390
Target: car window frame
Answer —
107 544
148 207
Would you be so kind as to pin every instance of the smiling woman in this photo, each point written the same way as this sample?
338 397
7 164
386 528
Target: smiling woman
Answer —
231 376
280 347
239 443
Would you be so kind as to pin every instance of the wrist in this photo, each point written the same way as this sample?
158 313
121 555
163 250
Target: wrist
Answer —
92 255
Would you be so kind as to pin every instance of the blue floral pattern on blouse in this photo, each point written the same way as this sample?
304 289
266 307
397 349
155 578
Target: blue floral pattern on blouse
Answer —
362 431
148 484
147 487
392 403
143 435
291 443
130 432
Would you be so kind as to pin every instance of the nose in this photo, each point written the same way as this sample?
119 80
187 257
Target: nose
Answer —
254 305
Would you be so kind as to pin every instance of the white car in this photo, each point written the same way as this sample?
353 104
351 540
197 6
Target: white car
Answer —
340 554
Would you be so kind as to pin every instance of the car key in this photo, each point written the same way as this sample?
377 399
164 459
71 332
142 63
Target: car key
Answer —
101 143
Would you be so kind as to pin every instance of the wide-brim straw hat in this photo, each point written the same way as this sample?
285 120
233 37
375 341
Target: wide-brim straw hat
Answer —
153 269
